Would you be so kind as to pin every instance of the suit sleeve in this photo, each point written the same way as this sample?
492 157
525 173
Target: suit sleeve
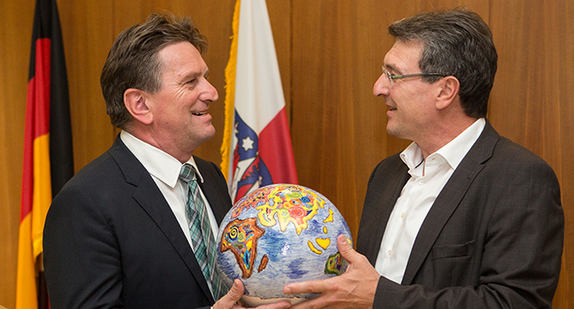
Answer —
81 254
521 240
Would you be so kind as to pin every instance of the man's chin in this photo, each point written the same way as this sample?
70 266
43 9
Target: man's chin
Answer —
391 130
209 134
396 132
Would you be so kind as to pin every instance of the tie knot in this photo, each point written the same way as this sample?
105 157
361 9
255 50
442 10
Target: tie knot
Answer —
187 173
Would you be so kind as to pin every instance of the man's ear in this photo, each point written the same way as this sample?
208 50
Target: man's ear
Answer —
137 106
449 88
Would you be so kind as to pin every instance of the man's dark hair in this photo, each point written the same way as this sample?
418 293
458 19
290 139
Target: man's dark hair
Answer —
457 43
133 60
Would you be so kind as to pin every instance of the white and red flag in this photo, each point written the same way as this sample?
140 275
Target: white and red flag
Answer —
257 144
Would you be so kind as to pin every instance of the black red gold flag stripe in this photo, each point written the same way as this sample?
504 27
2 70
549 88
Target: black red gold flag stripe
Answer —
48 160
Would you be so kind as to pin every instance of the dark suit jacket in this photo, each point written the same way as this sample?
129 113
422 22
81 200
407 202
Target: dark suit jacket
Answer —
492 239
112 241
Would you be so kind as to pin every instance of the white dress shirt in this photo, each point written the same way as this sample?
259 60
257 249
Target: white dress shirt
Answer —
428 177
164 170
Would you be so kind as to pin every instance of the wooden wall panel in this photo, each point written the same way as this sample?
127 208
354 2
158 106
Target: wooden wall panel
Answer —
86 29
533 99
563 63
15 39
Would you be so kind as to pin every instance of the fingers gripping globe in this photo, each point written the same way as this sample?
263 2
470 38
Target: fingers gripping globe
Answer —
280 234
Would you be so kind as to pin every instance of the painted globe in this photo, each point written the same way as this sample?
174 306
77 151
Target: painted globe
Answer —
276 235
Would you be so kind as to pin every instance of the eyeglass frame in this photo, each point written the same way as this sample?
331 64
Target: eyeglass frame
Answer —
392 77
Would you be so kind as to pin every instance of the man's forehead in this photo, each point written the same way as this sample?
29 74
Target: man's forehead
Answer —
182 58
403 55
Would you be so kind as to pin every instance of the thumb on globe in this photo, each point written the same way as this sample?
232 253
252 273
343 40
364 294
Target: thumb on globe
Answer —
345 248
236 290
232 297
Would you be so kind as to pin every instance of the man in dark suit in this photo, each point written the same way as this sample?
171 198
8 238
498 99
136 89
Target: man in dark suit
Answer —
121 232
463 218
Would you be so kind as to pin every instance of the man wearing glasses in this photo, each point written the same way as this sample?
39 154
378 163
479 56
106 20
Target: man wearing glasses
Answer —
462 218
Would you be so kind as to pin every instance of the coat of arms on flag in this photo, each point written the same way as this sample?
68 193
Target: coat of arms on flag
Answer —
249 172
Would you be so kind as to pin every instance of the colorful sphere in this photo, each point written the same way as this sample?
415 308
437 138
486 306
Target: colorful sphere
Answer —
276 235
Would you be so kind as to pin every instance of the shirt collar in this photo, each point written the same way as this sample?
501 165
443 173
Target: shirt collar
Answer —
453 152
412 156
157 162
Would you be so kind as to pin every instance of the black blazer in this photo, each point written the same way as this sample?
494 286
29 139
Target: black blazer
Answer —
492 239
111 239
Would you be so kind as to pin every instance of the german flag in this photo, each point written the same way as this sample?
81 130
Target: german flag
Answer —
48 159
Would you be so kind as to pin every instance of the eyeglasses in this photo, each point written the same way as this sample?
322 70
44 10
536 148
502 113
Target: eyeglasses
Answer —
392 77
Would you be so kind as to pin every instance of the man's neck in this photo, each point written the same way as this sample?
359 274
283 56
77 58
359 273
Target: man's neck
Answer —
443 135
147 138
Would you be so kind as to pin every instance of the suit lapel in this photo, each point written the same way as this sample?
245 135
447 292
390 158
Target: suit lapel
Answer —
382 195
214 201
150 198
449 199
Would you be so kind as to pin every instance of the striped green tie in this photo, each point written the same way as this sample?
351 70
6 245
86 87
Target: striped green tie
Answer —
202 238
